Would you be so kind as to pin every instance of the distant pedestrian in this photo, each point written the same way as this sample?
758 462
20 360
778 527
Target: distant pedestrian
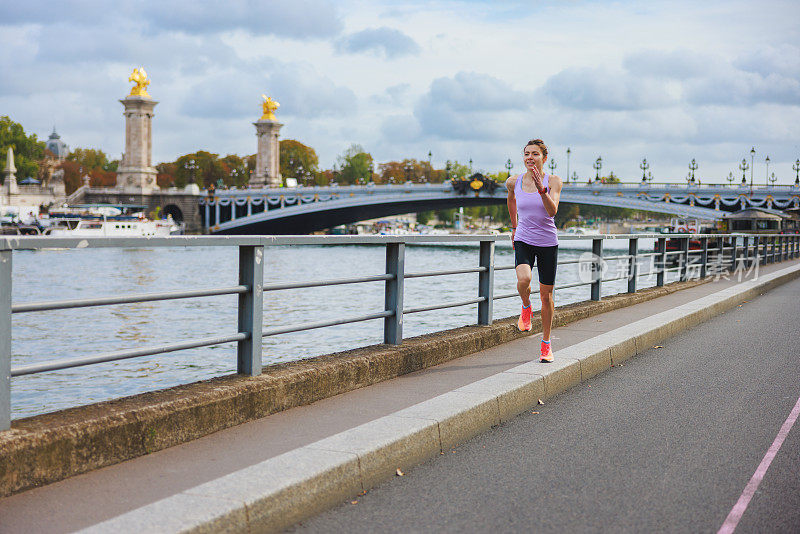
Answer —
532 204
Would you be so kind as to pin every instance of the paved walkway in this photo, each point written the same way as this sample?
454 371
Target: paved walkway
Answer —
87 499
666 443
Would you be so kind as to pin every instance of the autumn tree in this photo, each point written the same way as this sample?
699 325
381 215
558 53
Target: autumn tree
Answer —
28 150
298 161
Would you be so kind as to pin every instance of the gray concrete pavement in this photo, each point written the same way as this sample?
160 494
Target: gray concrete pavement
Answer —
665 443
84 500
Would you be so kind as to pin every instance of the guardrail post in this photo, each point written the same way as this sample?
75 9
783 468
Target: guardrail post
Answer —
684 258
753 261
746 253
796 246
251 309
5 339
704 258
784 248
734 253
764 256
395 265
633 265
486 283
662 257
774 255
597 273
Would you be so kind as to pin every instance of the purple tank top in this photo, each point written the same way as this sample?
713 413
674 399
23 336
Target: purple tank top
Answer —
534 226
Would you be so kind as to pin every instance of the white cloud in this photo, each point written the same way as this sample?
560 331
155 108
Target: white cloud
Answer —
388 42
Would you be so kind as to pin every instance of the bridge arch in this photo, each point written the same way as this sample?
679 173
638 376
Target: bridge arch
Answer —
174 211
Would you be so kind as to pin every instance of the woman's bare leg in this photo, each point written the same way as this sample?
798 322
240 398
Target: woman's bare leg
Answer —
548 309
524 283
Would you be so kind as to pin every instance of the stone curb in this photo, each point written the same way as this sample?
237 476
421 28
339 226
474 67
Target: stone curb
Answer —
283 490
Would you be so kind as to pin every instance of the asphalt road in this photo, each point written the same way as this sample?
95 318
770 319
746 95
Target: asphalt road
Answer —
664 443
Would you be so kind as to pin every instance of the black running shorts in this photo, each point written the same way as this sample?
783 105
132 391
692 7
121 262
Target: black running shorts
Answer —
546 259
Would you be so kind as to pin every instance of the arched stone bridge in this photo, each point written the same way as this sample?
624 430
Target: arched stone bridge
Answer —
306 209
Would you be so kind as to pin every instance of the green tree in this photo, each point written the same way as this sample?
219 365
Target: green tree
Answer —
89 158
208 169
459 170
354 165
28 150
298 161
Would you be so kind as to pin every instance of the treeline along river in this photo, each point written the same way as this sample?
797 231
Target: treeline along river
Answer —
88 273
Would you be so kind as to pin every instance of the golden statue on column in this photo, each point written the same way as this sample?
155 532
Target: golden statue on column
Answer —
139 77
269 106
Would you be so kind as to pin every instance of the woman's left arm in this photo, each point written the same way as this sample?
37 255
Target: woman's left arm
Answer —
552 195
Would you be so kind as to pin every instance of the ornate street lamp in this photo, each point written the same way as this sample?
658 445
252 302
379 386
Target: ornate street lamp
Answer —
743 167
190 166
752 155
574 177
773 179
767 172
649 177
598 164
430 167
470 166
693 167
509 166
552 165
568 153
730 178
796 168
644 166
408 172
448 166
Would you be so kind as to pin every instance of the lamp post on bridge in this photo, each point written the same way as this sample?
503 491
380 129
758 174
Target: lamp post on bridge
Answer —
730 178
574 177
430 167
448 166
408 172
773 179
796 168
644 166
649 177
752 166
568 153
743 167
767 171
598 164
191 167
552 165
470 166
693 166
509 166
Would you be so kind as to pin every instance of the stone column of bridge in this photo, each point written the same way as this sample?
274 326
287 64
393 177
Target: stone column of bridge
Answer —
136 171
268 172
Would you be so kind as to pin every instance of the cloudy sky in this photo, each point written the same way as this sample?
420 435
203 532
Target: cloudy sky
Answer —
666 80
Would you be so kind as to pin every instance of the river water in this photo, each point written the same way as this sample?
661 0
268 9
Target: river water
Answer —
89 273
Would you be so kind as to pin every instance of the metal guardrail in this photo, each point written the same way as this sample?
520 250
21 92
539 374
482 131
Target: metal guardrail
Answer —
250 289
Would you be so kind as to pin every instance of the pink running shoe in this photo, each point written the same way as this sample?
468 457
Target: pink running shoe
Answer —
524 323
547 353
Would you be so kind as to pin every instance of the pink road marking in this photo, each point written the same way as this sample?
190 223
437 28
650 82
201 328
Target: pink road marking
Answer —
750 489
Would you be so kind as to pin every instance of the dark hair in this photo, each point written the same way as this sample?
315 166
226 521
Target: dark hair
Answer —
539 143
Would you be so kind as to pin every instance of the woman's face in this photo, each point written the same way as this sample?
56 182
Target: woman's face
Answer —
532 156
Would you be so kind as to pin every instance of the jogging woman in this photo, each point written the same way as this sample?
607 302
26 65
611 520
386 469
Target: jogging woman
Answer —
532 204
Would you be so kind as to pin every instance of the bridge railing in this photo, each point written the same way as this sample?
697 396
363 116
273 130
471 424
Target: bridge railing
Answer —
713 253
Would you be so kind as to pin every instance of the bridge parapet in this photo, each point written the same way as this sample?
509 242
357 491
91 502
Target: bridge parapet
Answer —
306 209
